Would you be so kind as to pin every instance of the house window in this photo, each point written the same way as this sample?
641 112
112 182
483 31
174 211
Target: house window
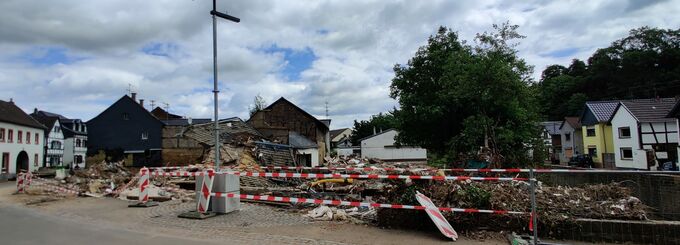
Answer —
567 136
126 116
626 153
592 151
624 132
590 132
84 143
2 135
78 159
37 138
20 136
145 136
28 137
55 145
78 143
35 160
10 136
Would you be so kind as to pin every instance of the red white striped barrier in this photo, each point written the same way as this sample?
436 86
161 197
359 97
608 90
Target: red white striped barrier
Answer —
206 189
355 204
143 185
20 183
336 176
436 216
45 182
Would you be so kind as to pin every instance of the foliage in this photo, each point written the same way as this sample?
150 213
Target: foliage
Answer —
646 64
258 104
455 97
377 123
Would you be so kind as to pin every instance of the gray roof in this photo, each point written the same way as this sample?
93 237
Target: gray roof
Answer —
553 127
650 110
10 113
298 141
185 121
603 110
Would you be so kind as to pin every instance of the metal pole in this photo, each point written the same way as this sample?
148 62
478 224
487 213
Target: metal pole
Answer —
215 91
533 204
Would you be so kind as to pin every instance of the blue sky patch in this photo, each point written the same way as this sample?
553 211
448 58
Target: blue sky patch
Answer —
562 52
46 56
160 49
297 61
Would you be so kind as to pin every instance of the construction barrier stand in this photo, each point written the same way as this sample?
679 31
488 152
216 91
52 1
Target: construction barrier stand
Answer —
206 189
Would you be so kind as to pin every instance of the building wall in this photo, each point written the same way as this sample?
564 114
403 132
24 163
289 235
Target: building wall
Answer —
121 126
575 143
55 135
382 147
622 119
602 141
14 148
314 154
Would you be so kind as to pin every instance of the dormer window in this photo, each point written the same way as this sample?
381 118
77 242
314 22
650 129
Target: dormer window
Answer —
145 136
126 116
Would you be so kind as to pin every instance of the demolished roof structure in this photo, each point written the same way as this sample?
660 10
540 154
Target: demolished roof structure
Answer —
232 131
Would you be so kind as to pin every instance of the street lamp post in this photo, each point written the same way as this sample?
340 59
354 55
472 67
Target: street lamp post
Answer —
214 13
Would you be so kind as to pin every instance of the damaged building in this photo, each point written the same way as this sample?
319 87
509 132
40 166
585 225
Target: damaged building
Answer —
191 141
286 124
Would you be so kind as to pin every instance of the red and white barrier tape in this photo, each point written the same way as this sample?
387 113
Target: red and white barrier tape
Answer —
337 176
55 188
45 182
355 204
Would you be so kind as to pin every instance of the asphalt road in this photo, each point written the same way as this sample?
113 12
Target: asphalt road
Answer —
21 226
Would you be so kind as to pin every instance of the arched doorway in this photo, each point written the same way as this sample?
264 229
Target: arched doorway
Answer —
22 162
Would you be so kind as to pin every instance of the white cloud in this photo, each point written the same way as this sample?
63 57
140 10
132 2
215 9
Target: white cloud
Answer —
356 44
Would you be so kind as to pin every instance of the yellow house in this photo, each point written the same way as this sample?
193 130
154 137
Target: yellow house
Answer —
598 139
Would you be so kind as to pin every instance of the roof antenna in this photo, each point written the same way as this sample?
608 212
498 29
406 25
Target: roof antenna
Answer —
326 109
129 89
167 111
153 104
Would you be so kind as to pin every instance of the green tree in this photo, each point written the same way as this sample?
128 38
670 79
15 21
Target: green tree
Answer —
455 97
258 104
365 128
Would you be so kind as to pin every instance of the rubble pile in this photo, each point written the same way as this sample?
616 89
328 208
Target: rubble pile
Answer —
357 215
101 178
558 207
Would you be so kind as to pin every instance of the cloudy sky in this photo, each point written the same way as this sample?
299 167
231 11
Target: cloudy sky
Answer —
77 57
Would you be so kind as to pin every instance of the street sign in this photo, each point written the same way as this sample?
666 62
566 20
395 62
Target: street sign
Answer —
436 216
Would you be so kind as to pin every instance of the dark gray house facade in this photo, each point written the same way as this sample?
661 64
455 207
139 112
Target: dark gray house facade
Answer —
127 128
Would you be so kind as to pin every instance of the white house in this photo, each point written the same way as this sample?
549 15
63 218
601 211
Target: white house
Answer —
572 138
53 137
21 144
75 142
643 136
382 146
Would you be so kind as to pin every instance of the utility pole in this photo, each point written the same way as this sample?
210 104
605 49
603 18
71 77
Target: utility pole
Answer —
214 13
153 104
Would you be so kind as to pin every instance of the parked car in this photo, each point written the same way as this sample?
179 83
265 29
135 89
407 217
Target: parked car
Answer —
582 160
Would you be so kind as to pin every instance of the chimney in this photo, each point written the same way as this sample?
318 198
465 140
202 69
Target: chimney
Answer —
134 96
35 111
11 101
141 102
